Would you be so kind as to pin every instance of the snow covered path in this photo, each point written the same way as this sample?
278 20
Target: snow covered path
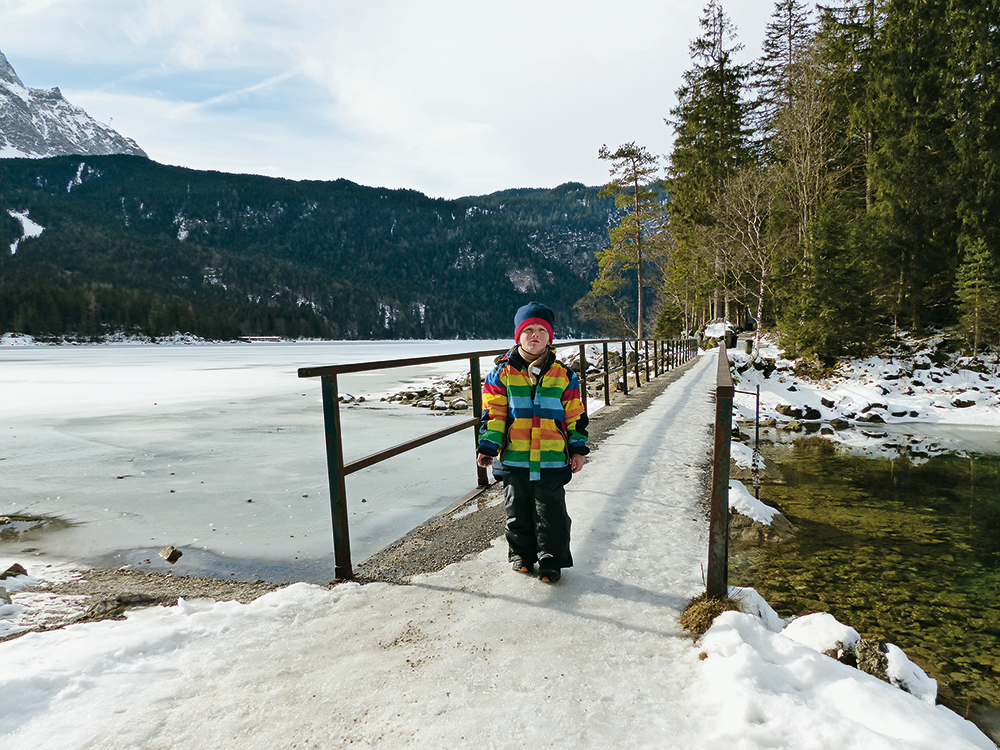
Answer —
476 655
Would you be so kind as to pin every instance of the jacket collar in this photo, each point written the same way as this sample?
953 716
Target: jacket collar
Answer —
514 358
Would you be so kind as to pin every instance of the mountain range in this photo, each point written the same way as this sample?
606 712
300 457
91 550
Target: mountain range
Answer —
102 245
41 122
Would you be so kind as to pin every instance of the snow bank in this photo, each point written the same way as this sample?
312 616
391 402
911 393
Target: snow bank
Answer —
759 684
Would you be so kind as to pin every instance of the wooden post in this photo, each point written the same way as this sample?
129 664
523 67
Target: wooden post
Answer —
583 374
335 474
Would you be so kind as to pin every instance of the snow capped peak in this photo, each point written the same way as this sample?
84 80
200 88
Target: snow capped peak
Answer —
7 74
40 123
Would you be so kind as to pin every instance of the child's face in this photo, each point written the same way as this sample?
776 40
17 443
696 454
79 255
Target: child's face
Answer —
534 339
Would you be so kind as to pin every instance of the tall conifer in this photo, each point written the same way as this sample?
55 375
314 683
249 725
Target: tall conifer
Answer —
974 69
712 135
783 66
915 201
978 293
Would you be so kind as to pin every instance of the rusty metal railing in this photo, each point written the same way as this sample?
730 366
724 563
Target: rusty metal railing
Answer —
717 576
666 355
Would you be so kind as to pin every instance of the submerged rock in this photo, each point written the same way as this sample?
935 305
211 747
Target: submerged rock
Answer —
745 529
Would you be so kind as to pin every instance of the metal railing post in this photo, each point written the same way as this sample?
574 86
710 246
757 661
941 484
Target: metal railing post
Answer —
638 382
718 530
624 369
607 378
477 412
335 473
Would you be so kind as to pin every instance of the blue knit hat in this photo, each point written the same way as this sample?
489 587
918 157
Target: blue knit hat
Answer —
533 313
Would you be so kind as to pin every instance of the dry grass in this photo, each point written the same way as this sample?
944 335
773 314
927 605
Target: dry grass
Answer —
701 611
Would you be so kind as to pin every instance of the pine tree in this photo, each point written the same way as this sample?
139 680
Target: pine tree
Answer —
915 201
974 72
978 294
783 66
712 136
848 35
837 314
634 187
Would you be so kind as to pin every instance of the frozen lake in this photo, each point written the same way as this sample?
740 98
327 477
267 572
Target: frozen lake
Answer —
217 449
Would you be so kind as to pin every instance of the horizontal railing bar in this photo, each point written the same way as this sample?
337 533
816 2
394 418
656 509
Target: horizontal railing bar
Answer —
374 458
313 372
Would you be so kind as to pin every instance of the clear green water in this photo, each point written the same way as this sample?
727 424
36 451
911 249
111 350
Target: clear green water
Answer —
909 553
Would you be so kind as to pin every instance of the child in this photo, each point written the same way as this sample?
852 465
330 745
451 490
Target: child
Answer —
534 420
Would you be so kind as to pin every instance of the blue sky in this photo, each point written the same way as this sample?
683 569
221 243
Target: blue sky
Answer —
448 97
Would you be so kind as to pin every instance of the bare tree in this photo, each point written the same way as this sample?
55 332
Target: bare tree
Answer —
744 236
805 145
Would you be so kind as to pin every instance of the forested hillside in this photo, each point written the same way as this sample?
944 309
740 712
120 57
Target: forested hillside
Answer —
132 246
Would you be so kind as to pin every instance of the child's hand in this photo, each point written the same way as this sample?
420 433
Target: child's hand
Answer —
483 460
576 462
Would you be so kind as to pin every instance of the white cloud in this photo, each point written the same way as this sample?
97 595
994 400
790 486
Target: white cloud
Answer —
444 96
193 31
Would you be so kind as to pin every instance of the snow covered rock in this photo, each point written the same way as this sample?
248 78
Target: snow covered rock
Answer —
754 604
889 663
822 632
753 521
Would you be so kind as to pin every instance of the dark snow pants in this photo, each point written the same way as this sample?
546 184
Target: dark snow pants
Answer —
537 521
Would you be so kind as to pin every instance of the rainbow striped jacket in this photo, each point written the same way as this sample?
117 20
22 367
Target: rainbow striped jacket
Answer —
529 426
